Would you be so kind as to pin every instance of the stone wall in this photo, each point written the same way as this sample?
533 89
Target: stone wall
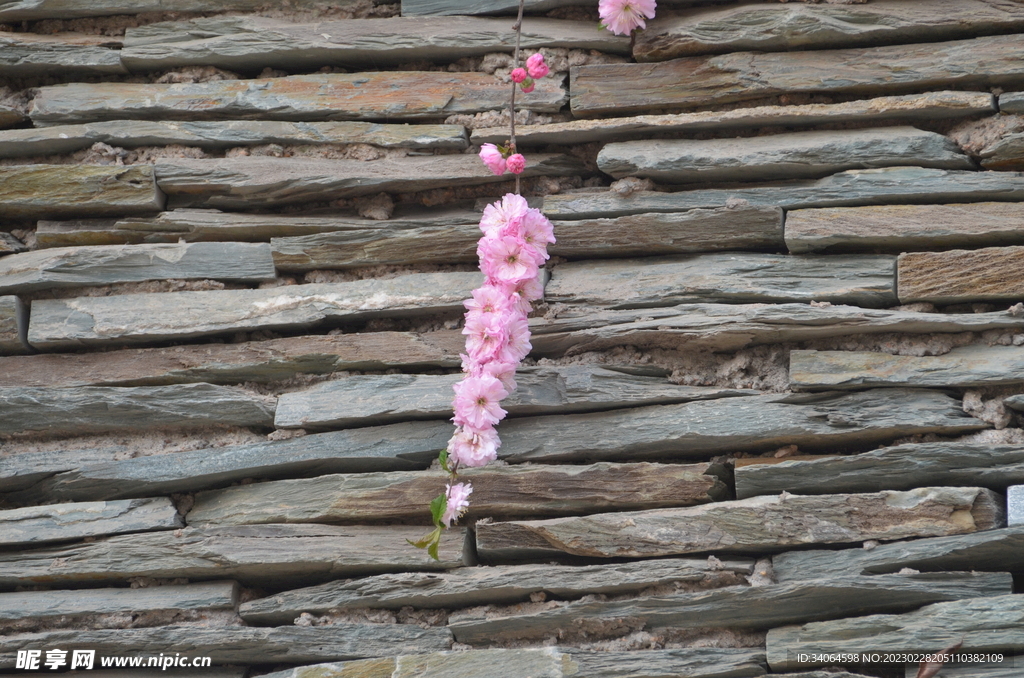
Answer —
776 394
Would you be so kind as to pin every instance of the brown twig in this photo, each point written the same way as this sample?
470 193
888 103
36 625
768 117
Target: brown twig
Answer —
518 28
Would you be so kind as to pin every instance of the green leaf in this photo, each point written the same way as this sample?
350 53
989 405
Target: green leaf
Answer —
443 458
432 549
438 507
432 538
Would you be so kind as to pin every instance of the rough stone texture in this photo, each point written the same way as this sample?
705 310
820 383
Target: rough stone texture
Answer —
903 228
450 7
865 280
10 116
105 265
39 605
772 28
248 44
10 245
797 155
76 191
989 274
976 365
753 607
21 471
527 490
1011 102
465 587
61 139
247 183
901 467
985 624
385 399
846 189
255 361
601 89
59 522
729 327
240 645
1015 505
13 325
140 318
756 525
96 409
85 475
33 10
1015 402
253 554
26 55
927 106
1005 154
386 96
991 551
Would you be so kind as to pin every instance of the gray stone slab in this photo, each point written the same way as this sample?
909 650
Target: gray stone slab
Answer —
729 327
249 44
141 318
470 586
1005 154
985 624
10 245
750 607
30 55
899 185
248 183
33 10
957 276
613 89
903 228
749 526
10 116
1015 402
108 264
385 399
795 155
771 28
61 139
975 365
900 467
455 7
59 522
241 645
385 96
77 191
910 107
1000 550
1011 102
80 475
253 554
13 325
38 605
861 280
98 409
1015 505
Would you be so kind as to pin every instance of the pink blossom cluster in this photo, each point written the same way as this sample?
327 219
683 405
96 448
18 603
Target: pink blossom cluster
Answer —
622 17
512 251
457 502
535 69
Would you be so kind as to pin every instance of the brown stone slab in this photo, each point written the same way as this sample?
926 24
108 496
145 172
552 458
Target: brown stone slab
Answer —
9 116
989 274
76 191
1005 154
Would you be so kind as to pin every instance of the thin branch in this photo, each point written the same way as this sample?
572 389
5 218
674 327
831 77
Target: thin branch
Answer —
518 28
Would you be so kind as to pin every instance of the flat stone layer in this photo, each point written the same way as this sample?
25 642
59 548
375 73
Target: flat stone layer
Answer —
76 191
10 116
33 10
247 183
756 525
140 318
771 28
990 624
989 274
863 280
751 607
927 106
105 265
540 490
95 474
977 365
1011 102
903 228
450 7
59 522
13 325
1005 154
796 155
852 188
258 361
610 89
382 399
61 139
385 96
469 586
98 409
729 327
218 595
253 554
249 44
240 645
29 55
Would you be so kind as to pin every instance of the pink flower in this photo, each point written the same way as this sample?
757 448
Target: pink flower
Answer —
492 157
527 85
538 232
486 334
518 75
621 17
536 66
458 502
476 401
518 346
489 299
516 163
525 292
505 260
504 217
505 372
473 447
